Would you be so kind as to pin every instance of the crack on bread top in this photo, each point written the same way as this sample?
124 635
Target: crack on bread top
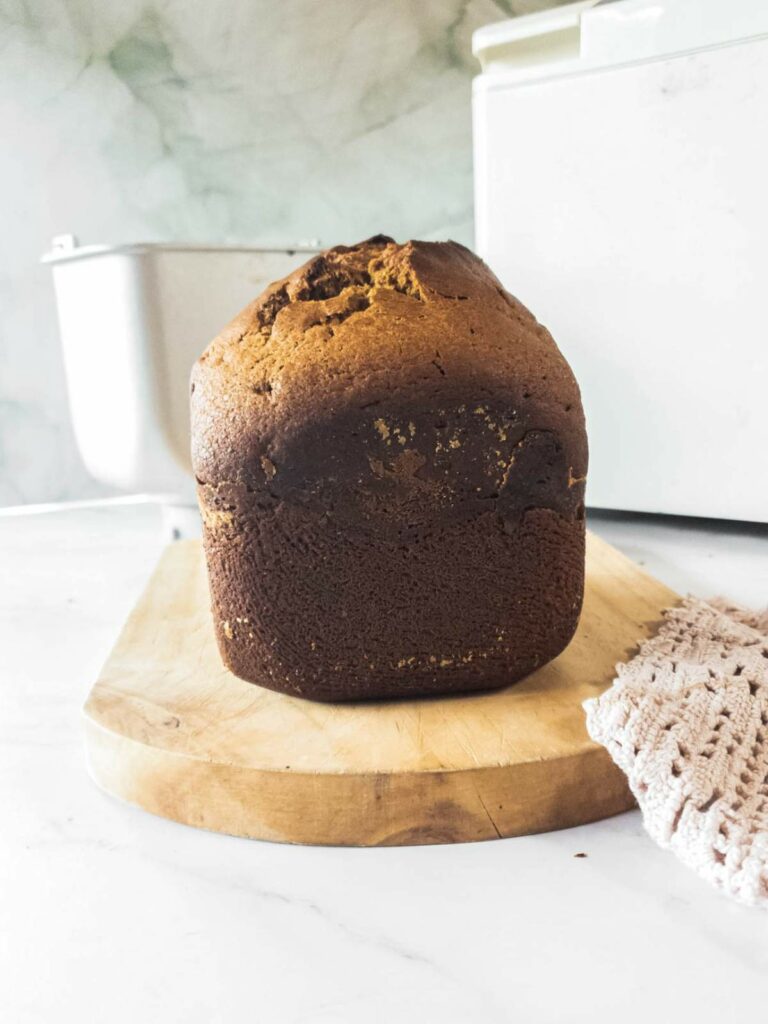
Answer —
351 272
392 271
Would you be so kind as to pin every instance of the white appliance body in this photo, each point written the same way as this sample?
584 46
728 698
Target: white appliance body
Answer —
133 320
621 192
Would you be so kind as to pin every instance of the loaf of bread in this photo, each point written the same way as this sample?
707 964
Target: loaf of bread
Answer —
390 454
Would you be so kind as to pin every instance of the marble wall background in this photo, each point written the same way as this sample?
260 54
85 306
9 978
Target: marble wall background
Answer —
235 121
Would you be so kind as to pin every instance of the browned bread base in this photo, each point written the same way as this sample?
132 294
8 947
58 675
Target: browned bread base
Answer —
391 455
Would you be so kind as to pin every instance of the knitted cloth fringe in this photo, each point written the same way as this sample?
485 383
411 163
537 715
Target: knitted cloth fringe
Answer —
687 722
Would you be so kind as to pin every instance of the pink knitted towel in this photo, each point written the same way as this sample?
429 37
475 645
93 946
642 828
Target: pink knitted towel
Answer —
687 721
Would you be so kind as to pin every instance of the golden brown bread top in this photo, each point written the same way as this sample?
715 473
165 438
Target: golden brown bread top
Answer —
420 325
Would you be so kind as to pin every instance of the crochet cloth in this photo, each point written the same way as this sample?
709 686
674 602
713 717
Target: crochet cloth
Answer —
687 722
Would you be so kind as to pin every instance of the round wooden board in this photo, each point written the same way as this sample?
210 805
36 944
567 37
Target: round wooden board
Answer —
168 728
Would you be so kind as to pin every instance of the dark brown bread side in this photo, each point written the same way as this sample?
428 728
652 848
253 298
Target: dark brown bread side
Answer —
391 456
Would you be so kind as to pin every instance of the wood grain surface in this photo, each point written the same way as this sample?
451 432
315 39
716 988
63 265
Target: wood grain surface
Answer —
170 729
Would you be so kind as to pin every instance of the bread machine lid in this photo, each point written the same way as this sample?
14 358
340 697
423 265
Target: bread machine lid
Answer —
593 34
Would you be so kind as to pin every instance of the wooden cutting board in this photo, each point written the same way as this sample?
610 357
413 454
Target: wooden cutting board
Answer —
171 730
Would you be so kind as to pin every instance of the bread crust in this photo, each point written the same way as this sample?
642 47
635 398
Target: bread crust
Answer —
391 456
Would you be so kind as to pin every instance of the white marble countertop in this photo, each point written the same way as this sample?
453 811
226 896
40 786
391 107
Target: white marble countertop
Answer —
110 914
